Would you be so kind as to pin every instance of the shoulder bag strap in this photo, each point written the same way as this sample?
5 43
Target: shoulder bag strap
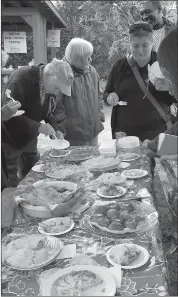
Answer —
148 93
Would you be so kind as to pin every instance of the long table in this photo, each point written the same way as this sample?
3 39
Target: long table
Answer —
148 279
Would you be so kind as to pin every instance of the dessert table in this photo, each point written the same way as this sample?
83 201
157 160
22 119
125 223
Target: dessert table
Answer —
151 278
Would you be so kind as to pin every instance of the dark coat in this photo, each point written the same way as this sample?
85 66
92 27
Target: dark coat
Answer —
24 86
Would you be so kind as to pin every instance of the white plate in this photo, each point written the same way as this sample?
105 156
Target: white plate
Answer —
59 144
101 190
141 260
51 241
126 173
41 230
65 153
18 113
38 168
124 157
109 282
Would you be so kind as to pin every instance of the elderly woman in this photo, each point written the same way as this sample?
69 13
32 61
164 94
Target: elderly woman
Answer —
137 117
35 87
79 115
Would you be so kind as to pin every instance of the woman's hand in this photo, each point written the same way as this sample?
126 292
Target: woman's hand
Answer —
10 109
113 99
64 208
46 129
169 157
59 135
162 84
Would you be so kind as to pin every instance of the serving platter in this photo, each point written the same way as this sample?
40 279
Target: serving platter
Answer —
59 153
128 157
115 253
55 223
121 192
72 281
134 173
144 210
11 252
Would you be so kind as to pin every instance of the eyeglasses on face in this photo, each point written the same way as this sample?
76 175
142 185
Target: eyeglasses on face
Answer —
145 11
141 26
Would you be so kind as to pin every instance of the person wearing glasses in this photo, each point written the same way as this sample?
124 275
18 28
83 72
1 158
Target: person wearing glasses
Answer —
79 115
137 116
35 87
151 12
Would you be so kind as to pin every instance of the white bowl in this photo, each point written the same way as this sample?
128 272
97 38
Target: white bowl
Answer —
43 212
128 142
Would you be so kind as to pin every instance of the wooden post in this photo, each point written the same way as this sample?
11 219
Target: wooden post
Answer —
39 38
53 52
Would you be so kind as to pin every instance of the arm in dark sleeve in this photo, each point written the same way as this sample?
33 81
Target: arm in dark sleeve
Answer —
109 85
162 96
18 88
60 113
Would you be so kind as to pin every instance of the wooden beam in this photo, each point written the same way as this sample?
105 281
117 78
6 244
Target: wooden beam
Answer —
15 27
53 52
39 38
17 11
28 20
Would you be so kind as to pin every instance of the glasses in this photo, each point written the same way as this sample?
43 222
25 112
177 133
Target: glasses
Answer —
141 27
146 11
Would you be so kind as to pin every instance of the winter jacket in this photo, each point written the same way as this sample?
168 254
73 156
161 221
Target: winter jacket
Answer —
24 86
79 116
139 117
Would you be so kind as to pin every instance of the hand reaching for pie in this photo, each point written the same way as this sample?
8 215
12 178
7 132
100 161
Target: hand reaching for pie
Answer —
64 208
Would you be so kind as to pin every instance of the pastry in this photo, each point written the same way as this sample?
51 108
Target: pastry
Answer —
116 225
112 214
130 254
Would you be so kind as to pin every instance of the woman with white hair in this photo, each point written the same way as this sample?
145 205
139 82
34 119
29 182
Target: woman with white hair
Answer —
79 115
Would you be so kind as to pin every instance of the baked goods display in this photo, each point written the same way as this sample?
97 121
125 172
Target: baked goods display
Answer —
56 225
134 173
76 282
81 154
48 195
104 165
31 251
111 192
128 157
129 254
120 218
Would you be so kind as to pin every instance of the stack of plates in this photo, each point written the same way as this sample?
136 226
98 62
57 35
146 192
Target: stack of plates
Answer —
128 142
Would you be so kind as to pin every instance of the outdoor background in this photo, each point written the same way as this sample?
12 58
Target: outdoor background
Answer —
105 25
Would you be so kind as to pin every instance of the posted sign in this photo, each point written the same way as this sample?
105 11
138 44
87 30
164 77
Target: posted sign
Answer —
53 38
15 42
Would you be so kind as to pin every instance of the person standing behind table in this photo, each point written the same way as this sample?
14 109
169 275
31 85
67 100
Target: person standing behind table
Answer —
139 117
151 12
79 115
33 87
167 58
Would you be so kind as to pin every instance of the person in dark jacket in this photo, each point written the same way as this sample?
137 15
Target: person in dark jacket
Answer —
35 87
152 12
138 117
167 58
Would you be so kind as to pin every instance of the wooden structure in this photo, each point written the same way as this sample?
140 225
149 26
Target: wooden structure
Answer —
36 16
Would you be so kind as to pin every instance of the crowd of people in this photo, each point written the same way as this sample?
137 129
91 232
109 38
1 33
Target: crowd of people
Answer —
66 95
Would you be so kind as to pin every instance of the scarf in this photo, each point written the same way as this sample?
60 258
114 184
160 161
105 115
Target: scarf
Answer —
78 70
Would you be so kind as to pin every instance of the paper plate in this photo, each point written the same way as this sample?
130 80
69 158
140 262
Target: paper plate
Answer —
141 260
134 173
42 231
108 288
101 190
59 144
39 168
61 154
18 113
51 243
128 157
